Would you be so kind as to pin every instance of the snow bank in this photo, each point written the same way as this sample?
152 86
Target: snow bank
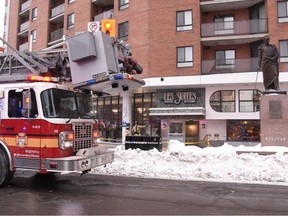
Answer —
182 162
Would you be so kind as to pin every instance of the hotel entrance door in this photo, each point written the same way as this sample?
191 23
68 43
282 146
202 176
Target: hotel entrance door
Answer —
192 132
184 131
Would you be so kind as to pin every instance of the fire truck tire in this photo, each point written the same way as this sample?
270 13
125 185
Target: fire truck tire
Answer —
5 174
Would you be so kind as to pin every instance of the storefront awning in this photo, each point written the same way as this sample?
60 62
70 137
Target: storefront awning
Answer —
177 111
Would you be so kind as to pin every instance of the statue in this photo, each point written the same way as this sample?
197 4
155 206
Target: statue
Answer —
268 61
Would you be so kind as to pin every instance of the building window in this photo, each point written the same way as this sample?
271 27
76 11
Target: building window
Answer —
34 14
243 130
123 31
184 20
224 25
70 21
282 11
223 101
249 100
184 56
70 1
33 36
123 4
284 51
225 59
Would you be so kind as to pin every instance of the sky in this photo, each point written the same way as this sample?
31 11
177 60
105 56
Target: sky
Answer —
219 164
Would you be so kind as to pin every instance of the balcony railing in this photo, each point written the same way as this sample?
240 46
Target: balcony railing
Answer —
235 66
24 26
254 26
25 5
57 10
109 14
23 47
56 35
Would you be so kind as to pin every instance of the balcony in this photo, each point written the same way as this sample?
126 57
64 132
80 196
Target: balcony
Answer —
109 14
235 32
56 35
222 5
24 27
231 66
57 14
25 9
23 47
103 3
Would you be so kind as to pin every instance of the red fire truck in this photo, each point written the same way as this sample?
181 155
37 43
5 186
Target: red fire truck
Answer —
47 120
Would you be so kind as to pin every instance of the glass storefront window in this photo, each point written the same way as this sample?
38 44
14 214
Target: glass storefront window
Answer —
249 100
243 130
223 101
141 105
138 108
109 113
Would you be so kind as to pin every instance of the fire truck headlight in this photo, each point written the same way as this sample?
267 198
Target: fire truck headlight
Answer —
95 137
66 140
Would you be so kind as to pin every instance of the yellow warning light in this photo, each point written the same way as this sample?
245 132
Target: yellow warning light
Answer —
108 27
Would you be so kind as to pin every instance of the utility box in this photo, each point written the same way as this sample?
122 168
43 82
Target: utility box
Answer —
92 56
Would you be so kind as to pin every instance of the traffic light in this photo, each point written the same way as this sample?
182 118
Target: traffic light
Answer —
108 27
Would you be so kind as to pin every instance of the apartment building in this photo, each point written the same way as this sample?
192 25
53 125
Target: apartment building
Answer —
200 60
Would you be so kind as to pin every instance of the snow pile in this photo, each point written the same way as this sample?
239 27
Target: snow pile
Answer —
182 162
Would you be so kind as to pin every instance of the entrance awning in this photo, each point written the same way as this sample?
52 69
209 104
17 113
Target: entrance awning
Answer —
177 111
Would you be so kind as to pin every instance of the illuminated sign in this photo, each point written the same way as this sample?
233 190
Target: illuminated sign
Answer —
181 97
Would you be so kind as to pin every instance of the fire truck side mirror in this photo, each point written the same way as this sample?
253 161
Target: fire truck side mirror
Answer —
26 103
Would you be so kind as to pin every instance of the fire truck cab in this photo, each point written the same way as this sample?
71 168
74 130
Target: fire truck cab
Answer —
46 127
47 122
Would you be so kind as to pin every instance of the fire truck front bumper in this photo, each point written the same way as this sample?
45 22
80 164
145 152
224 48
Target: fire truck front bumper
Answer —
83 161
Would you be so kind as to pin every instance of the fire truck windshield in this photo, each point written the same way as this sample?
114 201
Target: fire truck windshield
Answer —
59 103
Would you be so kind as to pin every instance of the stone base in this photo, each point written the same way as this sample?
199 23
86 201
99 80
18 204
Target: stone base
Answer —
274 119
274 92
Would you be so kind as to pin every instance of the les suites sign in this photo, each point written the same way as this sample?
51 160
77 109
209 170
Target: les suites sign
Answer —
180 97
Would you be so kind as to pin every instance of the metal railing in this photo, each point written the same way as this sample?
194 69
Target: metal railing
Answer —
234 28
56 35
57 10
24 26
23 47
240 65
109 14
25 5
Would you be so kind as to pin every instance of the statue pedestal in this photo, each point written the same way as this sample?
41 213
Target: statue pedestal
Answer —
274 119
274 92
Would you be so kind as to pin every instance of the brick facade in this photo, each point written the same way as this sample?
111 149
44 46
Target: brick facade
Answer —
152 30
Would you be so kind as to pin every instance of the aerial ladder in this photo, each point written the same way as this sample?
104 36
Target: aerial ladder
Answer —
91 61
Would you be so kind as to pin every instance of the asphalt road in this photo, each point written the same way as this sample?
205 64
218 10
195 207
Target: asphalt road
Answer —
101 195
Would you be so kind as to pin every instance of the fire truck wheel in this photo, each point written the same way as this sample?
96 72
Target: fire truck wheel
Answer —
5 174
